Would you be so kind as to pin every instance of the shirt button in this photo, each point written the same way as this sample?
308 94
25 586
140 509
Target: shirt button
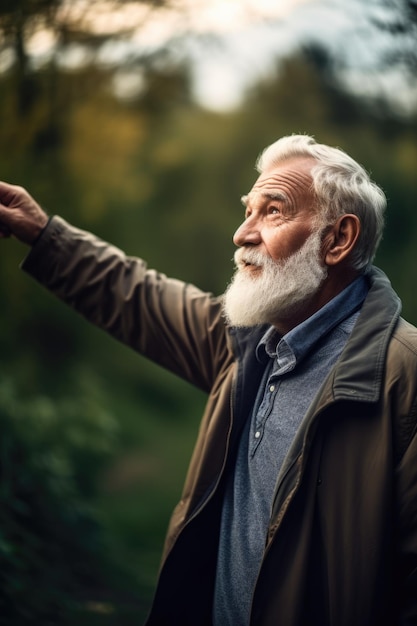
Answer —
257 434
272 388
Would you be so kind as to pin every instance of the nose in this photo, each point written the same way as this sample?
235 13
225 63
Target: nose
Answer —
247 233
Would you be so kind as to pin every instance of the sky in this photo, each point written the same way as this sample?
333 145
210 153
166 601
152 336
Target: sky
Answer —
346 29
230 44
239 50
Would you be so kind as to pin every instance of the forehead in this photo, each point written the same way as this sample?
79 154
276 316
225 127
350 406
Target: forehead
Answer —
290 181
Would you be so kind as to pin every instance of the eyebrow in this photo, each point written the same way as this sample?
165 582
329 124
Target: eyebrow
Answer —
278 195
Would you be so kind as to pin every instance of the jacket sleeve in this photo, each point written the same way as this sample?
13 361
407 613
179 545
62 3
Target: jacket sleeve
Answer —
171 322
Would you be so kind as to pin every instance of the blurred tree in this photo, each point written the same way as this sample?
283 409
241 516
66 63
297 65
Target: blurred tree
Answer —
403 27
20 19
65 23
17 22
390 32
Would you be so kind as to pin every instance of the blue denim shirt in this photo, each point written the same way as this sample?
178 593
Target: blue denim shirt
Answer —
296 365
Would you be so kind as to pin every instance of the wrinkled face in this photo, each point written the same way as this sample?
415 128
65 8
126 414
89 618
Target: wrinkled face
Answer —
279 265
279 211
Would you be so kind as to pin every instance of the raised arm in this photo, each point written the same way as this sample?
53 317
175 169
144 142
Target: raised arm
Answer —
173 323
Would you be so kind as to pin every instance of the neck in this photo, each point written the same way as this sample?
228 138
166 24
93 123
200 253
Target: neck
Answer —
333 284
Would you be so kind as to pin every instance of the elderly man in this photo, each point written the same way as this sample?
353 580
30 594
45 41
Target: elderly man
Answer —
300 503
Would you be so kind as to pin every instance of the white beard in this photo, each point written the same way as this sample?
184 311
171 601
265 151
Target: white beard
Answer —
280 288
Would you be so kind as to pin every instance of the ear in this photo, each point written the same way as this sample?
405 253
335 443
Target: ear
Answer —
340 239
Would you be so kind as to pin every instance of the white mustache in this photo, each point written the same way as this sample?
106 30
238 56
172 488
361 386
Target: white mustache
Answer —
247 256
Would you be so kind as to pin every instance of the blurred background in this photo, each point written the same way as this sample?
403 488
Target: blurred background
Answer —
141 121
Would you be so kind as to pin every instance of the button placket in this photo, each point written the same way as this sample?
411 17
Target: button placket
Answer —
263 413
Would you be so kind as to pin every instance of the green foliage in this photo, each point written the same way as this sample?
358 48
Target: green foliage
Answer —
50 546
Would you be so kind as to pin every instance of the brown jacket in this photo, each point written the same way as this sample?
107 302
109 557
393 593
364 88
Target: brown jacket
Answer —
342 542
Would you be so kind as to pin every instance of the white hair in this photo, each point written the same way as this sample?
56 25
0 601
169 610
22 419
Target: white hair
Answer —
341 185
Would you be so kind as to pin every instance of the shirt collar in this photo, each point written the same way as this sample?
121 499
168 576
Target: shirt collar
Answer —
295 344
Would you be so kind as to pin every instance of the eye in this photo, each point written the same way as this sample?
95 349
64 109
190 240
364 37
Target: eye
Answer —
274 210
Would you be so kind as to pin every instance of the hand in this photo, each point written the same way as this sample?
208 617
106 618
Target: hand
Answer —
20 214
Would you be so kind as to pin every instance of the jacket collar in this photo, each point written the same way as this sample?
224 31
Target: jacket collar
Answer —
359 371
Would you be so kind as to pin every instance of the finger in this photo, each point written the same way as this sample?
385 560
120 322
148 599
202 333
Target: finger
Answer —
5 229
9 193
5 192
